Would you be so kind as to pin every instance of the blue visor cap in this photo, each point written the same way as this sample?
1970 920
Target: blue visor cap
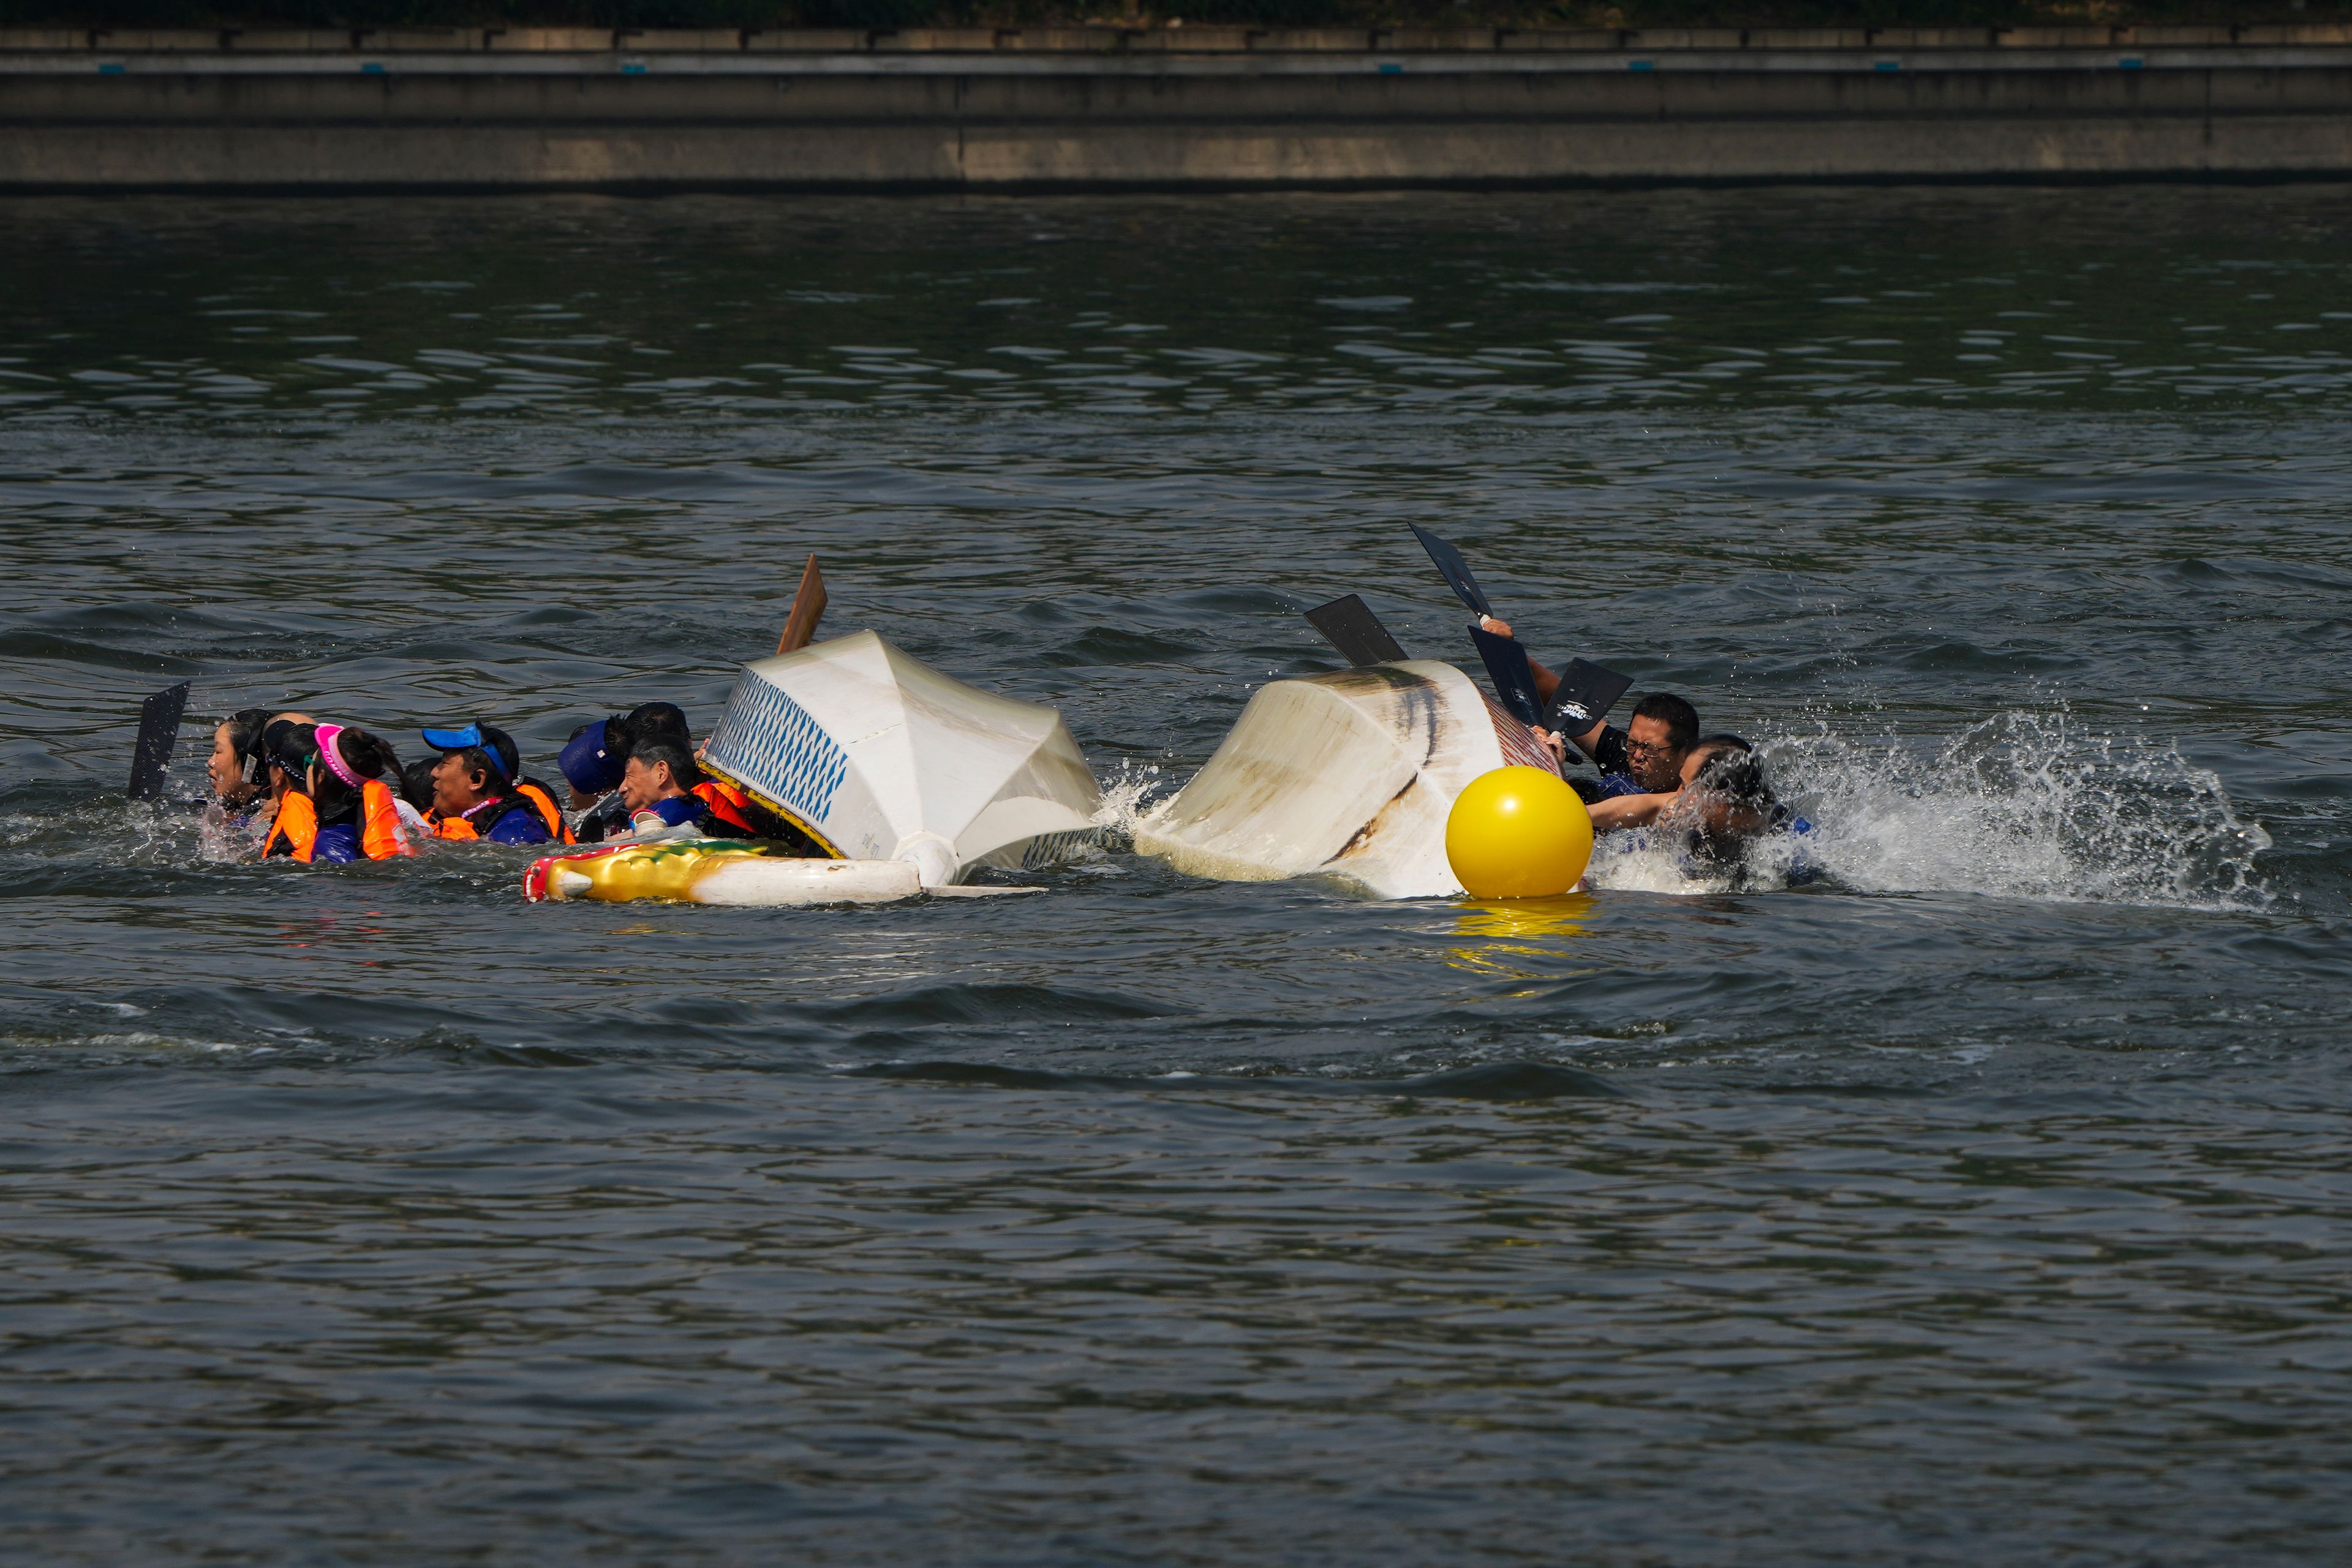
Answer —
488 739
590 765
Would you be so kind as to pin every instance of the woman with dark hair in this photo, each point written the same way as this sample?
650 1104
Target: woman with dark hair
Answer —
239 777
342 810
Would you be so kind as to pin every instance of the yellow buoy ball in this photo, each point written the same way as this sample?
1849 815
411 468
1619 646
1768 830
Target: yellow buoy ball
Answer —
1518 833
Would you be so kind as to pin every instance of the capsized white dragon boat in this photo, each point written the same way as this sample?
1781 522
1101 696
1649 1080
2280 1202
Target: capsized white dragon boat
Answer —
878 756
1350 774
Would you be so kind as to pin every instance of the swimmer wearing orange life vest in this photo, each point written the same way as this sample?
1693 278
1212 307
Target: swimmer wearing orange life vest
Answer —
342 810
481 794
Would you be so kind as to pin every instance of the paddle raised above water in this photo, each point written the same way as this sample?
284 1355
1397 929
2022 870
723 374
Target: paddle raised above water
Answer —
1348 625
808 607
1585 694
158 731
1455 571
1513 675
1582 698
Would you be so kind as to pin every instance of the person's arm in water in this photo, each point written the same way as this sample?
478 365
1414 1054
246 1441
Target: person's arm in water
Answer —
1627 811
1546 682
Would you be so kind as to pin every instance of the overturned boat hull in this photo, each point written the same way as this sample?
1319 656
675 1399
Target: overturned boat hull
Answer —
1349 775
878 756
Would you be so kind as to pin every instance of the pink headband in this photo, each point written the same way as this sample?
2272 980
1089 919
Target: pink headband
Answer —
328 733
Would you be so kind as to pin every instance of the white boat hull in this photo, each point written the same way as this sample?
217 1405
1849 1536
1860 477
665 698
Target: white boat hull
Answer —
1348 775
880 757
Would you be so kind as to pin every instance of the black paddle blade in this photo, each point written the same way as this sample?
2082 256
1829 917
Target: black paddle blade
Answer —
1586 693
1348 625
159 731
1455 571
1514 677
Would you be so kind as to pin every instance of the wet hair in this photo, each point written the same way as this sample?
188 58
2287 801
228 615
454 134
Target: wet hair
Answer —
368 756
645 721
1732 769
245 727
417 782
662 749
1679 717
289 746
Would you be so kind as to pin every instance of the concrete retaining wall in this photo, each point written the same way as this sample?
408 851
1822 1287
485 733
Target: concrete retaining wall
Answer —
1093 108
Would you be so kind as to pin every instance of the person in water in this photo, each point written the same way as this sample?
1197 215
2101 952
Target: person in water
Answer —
1720 787
668 796
239 773
285 750
245 786
342 810
656 787
1646 757
479 789
597 753
1725 808
416 788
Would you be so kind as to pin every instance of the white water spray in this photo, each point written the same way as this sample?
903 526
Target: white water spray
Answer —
2025 805
1128 798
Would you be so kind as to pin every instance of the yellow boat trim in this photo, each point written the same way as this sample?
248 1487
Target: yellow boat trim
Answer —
832 850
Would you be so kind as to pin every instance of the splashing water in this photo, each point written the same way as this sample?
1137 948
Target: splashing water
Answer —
1127 799
2025 805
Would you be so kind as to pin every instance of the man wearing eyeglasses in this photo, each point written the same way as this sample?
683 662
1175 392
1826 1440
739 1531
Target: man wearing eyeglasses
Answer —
1644 757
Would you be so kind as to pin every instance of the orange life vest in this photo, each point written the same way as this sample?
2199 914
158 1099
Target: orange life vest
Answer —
297 823
380 835
548 811
726 802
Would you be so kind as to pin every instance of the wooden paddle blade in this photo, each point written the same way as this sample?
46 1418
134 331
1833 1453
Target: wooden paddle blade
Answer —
158 731
1454 568
1348 625
808 605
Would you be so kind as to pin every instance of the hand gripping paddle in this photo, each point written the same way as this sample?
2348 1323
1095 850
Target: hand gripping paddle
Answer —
1586 691
1454 570
1506 661
1348 625
158 731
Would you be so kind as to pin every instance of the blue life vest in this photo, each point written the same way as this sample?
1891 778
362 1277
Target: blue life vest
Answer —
675 810
338 844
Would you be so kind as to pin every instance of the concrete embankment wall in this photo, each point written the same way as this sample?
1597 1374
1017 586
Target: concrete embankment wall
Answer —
1174 107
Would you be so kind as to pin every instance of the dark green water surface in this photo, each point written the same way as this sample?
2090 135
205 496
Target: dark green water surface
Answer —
1990 1201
